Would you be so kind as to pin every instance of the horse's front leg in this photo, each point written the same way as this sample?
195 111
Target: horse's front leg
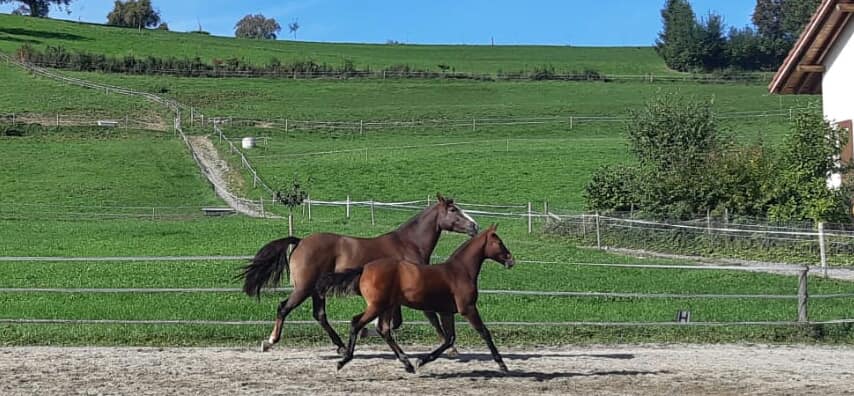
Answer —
443 334
474 319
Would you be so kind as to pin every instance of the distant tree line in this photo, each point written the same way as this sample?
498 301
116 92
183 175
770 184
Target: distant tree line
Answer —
36 8
689 44
60 57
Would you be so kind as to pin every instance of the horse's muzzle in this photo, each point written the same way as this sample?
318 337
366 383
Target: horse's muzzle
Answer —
509 263
472 230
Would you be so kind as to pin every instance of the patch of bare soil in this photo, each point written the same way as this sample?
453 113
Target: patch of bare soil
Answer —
603 370
222 177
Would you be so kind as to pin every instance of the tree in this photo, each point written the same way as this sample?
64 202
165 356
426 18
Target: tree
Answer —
36 8
796 15
292 196
678 41
780 22
293 27
133 13
257 27
712 43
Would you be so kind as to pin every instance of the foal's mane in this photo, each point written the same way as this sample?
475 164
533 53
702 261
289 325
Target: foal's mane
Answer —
481 238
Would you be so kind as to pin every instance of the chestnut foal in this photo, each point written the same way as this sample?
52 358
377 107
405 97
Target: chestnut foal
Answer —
445 288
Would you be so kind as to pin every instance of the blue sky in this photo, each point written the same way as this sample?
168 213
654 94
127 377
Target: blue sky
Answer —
553 22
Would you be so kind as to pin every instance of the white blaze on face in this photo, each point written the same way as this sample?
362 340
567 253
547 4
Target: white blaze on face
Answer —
466 216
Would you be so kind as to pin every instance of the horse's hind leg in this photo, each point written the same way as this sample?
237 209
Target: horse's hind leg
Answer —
285 307
319 312
359 321
450 337
384 328
443 334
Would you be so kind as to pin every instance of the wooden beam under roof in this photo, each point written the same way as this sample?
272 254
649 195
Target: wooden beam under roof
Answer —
845 7
811 68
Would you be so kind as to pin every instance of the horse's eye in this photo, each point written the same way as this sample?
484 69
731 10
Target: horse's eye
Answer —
452 209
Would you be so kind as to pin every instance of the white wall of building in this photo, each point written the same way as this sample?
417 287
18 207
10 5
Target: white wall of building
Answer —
837 85
838 81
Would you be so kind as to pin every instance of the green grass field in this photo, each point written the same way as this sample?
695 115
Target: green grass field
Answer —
115 41
90 173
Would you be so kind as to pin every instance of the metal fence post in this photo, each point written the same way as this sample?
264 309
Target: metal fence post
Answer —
803 296
308 204
821 248
373 222
262 207
348 206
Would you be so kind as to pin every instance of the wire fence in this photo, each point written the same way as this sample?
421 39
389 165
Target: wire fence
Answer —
123 121
568 121
801 298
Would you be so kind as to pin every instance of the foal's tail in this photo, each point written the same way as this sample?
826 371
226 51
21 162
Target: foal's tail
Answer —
267 266
340 283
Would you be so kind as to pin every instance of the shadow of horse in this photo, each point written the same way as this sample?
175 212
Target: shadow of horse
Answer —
471 357
43 34
539 377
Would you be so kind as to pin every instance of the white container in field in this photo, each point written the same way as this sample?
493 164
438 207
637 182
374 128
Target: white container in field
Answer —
248 142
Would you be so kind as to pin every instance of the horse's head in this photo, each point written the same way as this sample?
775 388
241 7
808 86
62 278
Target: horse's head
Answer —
451 218
495 249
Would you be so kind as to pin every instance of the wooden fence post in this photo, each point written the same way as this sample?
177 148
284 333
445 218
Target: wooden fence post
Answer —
373 222
308 201
262 207
598 233
348 206
529 218
803 296
821 248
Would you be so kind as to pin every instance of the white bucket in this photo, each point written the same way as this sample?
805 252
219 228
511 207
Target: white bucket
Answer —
248 142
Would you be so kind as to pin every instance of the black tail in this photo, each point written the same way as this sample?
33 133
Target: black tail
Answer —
339 283
267 266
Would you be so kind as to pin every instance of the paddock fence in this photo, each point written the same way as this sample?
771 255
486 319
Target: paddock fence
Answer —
800 296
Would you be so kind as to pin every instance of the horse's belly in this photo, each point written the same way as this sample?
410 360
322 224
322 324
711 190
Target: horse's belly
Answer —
425 301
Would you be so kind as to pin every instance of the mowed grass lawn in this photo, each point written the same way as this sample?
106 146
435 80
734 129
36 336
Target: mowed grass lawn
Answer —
21 92
376 100
83 169
238 235
16 31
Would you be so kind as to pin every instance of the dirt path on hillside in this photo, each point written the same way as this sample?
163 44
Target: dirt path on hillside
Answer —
603 370
222 177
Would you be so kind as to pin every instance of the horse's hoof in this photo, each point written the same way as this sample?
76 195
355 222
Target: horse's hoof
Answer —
266 345
418 363
342 351
341 365
452 353
503 368
410 369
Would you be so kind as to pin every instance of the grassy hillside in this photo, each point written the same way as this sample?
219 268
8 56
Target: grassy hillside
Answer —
21 92
57 172
15 31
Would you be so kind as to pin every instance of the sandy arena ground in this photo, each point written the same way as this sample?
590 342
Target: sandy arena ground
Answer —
625 369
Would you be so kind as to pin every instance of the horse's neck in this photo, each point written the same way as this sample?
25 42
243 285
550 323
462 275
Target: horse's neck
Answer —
422 231
469 258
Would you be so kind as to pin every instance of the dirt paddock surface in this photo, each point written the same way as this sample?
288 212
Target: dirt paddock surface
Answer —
623 369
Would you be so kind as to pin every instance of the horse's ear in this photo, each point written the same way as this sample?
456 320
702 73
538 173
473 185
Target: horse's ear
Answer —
440 197
493 227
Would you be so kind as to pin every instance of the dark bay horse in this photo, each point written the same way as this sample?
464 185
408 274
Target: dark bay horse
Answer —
322 253
445 288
